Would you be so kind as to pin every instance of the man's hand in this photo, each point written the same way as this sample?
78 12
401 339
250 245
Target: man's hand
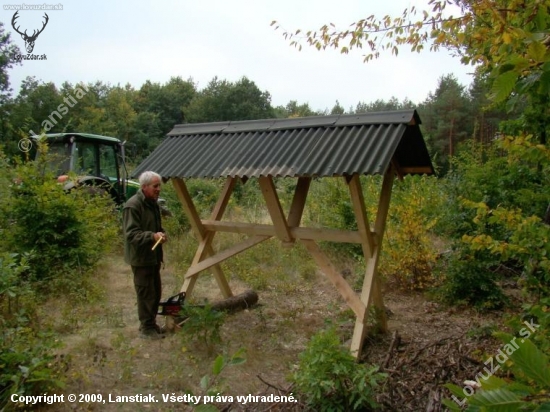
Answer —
160 235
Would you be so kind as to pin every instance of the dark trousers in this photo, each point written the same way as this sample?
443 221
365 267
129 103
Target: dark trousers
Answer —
148 290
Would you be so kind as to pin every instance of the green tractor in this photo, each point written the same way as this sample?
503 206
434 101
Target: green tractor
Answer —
97 161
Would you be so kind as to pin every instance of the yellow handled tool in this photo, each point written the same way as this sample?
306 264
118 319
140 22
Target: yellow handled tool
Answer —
156 244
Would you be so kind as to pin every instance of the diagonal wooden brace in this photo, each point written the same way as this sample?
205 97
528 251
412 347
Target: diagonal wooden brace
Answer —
205 237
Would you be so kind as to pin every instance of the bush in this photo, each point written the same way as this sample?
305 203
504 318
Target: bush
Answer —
408 253
497 198
27 360
329 378
202 326
65 234
468 279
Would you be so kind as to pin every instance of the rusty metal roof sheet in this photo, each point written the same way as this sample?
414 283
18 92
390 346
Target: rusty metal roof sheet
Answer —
310 146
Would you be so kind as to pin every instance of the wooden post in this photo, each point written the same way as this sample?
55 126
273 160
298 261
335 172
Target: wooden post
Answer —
371 286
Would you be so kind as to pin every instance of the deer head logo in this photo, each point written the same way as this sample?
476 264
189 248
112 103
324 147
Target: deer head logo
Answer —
29 40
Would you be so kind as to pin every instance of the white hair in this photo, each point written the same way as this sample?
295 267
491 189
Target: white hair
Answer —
147 177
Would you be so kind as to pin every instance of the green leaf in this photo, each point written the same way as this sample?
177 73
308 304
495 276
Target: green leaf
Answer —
532 362
237 361
544 84
204 382
503 86
455 390
506 68
536 51
501 400
492 383
453 406
218 365
545 407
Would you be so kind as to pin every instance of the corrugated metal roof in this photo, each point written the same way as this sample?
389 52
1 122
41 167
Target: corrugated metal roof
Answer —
310 146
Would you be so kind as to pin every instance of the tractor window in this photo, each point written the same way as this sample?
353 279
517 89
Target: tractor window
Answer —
107 162
59 158
86 159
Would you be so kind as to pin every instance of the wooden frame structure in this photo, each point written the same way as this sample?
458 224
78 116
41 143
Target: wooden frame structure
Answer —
288 230
337 146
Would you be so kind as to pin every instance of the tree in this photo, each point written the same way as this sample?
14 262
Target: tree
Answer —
222 100
337 108
293 109
7 53
446 118
382 105
487 119
167 101
508 41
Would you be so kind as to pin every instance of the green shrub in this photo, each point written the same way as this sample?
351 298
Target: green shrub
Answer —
468 278
65 234
408 252
28 365
328 378
202 325
513 239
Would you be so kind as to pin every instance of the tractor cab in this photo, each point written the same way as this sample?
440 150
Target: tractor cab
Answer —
97 161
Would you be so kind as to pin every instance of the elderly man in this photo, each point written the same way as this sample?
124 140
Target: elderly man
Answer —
142 230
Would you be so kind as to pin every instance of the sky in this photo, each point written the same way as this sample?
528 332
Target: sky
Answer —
130 42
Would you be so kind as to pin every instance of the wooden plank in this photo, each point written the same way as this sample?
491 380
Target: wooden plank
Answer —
363 226
349 295
253 229
223 255
371 285
274 207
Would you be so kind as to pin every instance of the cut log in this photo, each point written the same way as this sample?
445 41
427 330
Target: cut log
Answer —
242 301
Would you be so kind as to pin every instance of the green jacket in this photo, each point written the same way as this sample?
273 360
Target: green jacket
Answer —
141 220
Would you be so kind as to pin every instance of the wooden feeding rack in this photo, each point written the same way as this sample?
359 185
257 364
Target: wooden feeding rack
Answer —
345 146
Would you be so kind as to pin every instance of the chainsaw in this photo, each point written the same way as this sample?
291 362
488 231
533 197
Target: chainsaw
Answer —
172 306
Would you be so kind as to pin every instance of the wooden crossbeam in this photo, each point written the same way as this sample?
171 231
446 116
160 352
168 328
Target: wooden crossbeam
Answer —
223 255
252 229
